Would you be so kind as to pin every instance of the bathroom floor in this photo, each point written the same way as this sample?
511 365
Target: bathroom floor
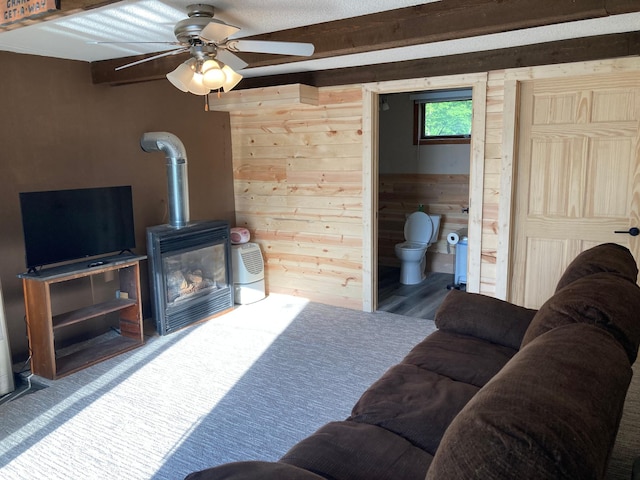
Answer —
420 300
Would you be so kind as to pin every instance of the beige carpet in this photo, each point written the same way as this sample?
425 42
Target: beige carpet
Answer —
244 386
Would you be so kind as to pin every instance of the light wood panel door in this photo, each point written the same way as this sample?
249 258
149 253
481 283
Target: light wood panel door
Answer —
577 176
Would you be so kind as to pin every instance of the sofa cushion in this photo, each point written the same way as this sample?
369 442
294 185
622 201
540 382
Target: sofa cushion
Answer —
254 470
608 257
413 402
460 357
358 451
483 317
551 413
607 300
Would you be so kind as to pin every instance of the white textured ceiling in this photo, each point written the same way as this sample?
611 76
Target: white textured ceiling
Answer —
70 37
153 20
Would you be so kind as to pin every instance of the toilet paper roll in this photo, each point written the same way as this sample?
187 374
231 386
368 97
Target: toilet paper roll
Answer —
454 237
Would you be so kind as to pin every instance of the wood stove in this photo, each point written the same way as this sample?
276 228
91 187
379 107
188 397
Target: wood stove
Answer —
189 262
190 273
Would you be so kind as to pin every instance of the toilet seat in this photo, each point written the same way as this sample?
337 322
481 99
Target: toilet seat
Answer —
412 245
417 229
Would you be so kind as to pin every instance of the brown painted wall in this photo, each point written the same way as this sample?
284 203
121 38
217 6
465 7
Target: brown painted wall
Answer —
59 131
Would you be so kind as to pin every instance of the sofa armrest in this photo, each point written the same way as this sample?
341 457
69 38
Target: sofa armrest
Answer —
484 317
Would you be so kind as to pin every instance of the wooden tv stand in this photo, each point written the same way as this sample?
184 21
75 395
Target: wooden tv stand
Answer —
43 322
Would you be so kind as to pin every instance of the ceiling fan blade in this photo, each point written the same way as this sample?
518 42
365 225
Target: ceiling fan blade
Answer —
133 42
228 58
232 78
264 46
148 59
217 31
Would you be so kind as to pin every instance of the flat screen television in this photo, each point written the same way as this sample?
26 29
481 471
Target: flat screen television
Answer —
64 225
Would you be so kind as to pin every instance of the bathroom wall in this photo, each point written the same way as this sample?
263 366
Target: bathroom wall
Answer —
435 176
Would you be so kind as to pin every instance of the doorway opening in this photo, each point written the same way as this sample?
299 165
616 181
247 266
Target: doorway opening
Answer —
400 181
423 165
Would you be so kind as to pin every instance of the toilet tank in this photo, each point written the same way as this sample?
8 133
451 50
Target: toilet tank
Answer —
436 228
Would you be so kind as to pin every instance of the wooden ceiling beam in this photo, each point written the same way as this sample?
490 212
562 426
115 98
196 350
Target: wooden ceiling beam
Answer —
616 7
422 24
67 7
433 22
551 53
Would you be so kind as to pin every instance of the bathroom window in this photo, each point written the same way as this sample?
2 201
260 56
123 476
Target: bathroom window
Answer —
442 116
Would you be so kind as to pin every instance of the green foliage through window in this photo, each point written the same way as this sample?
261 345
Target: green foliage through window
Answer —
446 119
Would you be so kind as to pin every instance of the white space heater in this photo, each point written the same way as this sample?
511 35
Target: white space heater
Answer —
248 273
6 372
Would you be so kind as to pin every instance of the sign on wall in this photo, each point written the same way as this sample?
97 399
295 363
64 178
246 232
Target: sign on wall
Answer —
16 10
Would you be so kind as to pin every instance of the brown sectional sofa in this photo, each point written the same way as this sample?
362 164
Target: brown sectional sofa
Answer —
498 392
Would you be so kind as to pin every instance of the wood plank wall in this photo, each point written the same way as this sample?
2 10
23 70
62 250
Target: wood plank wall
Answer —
492 179
400 195
298 175
298 189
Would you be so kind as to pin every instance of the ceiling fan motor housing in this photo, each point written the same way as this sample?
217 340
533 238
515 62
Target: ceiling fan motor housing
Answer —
188 30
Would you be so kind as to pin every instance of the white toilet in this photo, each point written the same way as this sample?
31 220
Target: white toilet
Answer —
420 231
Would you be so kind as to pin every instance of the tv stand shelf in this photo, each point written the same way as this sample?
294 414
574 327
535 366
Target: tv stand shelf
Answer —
42 323
91 311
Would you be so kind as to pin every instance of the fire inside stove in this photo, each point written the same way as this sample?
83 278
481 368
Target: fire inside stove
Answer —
190 268
194 273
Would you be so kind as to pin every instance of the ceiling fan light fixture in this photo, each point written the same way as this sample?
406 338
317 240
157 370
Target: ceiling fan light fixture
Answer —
213 76
182 76
232 78
213 65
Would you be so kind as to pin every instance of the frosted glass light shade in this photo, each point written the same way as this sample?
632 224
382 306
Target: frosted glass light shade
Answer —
181 76
196 86
232 78
212 76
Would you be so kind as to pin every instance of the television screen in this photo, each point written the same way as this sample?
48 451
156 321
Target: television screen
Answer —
66 225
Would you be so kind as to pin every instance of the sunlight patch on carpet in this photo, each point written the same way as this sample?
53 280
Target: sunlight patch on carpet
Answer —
86 421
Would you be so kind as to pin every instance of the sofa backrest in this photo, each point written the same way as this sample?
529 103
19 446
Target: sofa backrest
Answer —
598 287
607 300
608 257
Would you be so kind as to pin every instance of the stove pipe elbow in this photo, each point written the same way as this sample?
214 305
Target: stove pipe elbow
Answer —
176 156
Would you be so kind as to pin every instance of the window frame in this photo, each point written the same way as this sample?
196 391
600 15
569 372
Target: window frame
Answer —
435 97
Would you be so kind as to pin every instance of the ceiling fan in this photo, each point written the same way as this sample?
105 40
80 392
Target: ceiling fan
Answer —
214 64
